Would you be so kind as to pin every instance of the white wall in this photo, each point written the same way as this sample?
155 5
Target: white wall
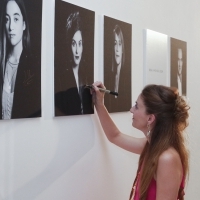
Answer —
69 158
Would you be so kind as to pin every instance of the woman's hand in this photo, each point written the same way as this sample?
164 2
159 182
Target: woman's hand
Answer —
97 95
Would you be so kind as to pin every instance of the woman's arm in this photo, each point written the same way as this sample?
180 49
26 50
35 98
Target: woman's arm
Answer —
169 175
113 134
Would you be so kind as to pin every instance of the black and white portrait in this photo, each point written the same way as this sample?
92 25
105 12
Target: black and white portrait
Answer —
178 65
117 64
74 59
20 58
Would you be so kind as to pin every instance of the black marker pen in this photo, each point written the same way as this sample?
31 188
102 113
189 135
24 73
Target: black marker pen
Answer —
104 90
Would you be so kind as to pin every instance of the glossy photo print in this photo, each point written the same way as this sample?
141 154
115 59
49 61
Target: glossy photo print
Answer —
178 65
117 64
74 59
20 58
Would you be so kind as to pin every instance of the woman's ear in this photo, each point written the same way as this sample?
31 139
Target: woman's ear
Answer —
151 118
24 26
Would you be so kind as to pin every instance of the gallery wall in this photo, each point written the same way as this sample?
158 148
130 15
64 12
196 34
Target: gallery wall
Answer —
68 157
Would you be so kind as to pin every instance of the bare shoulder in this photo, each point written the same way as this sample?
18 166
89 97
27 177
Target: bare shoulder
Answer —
169 156
169 174
169 164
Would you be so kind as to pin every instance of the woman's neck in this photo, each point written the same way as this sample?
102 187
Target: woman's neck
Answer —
118 68
75 69
15 53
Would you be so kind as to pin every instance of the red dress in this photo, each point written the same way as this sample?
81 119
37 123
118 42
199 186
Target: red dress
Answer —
151 193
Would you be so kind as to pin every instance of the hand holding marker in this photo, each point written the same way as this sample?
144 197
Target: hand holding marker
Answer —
103 90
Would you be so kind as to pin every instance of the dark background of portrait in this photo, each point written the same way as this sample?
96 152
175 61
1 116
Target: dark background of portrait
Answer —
61 59
175 45
109 25
34 15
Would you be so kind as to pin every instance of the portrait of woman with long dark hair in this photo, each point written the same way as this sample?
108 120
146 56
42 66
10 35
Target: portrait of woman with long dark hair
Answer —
20 78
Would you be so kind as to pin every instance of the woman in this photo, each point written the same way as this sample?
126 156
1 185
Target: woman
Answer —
73 99
118 56
17 75
161 114
118 78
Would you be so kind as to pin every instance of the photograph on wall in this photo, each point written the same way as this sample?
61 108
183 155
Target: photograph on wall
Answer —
117 64
155 58
20 58
74 59
178 65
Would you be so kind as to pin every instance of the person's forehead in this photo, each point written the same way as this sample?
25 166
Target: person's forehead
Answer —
140 101
77 34
12 6
117 36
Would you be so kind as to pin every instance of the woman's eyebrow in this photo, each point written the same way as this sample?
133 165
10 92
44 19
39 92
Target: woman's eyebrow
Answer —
15 14
75 40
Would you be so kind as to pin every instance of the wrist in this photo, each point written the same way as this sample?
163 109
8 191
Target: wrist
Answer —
100 106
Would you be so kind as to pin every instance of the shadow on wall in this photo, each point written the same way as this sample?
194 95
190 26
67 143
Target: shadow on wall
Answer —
75 140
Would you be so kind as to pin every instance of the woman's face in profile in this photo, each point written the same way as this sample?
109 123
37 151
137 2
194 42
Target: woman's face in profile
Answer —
77 47
14 22
118 49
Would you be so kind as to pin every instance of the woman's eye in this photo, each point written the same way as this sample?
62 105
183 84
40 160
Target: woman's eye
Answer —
73 43
6 20
16 19
80 44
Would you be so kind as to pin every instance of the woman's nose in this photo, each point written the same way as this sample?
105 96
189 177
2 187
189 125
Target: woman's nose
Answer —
77 49
117 47
132 109
11 27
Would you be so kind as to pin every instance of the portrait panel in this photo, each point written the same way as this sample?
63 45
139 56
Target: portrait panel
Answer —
20 58
117 63
178 67
74 59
